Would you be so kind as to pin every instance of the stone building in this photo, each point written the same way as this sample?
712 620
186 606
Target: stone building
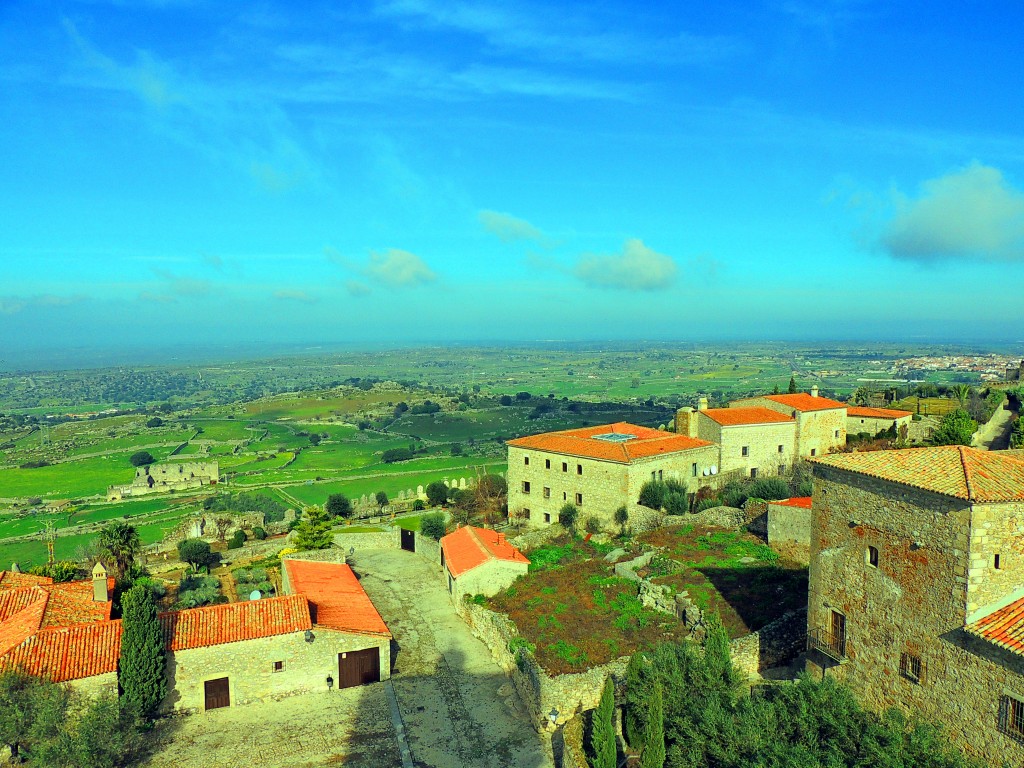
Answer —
789 527
479 561
874 420
325 633
917 588
163 478
820 421
599 469
752 441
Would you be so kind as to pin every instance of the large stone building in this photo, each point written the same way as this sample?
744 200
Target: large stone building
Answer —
820 421
874 420
163 478
599 469
325 633
752 441
917 588
478 561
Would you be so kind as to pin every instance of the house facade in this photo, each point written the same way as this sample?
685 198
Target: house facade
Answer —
599 469
820 421
752 442
874 420
479 561
916 595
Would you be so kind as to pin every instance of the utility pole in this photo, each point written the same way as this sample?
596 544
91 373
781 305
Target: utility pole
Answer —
49 536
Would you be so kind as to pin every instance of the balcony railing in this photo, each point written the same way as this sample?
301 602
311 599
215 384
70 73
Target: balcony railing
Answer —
823 640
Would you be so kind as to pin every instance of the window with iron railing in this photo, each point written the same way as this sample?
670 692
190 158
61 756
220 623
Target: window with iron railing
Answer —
912 668
1011 717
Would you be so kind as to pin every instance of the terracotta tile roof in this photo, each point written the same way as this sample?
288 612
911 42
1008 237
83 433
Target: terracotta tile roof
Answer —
587 443
13 600
337 599
69 653
1004 627
804 502
12 580
728 417
468 548
876 413
24 623
952 470
231 622
801 401
72 603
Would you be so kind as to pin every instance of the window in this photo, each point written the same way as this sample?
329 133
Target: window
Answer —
1011 717
745 450
579 499
753 471
911 667
661 475
547 517
547 463
837 433
654 476
782 469
694 469
995 561
873 557
814 451
526 486
579 469
278 666
780 449
565 466
526 513
526 460
564 496
547 493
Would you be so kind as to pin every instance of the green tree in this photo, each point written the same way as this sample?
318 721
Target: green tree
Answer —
775 390
141 458
21 700
433 525
142 664
437 493
338 505
197 553
961 392
792 385
314 530
640 681
652 495
156 421
955 428
101 733
653 755
567 516
601 746
381 498
621 518
120 543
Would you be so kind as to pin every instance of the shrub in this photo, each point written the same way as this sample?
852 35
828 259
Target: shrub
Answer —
141 458
238 538
707 504
156 421
258 533
770 488
433 525
567 516
592 525
156 588
418 505
392 455
652 495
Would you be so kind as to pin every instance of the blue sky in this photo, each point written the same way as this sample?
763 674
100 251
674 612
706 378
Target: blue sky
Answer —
431 171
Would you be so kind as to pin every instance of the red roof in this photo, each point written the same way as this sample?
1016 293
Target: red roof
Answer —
69 653
588 442
1004 627
876 413
468 548
804 502
801 401
232 622
12 580
729 417
336 597
25 622
65 604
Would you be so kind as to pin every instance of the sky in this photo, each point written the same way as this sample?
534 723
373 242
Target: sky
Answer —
193 172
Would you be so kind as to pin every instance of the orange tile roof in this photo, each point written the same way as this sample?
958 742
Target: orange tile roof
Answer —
232 622
876 413
804 502
13 600
468 548
12 580
337 599
802 401
952 470
729 417
585 442
21 625
72 603
69 653
1004 627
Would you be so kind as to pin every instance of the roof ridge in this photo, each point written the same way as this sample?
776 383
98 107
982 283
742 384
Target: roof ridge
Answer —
479 542
967 473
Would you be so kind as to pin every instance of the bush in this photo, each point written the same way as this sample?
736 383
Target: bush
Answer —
707 504
60 571
770 488
258 533
156 421
392 455
567 516
418 505
238 538
592 525
157 588
433 525
141 458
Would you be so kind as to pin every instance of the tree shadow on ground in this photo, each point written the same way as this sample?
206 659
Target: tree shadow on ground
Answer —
759 595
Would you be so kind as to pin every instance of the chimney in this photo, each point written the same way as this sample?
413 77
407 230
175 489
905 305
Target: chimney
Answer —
501 539
15 568
702 404
814 391
686 422
99 583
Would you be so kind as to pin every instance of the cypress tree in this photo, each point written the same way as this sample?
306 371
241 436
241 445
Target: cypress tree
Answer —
142 665
639 682
654 737
792 385
603 749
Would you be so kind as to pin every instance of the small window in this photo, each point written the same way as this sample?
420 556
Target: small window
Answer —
753 471
526 460
995 562
694 469
814 451
873 557
837 433
782 469
526 513
547 463
579 499
579 469
1011 717
526 486
654 476
547 492
565 466
565 496
661 475
911 667
780 449
547 517
745 450
278 666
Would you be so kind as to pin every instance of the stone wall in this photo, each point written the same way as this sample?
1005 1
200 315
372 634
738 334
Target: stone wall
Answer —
817 432
789 530
773 645
486 579
761 441
389 539
573 755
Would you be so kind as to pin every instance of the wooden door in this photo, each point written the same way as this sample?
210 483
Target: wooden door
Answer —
217 693
838 631
358 667
408 540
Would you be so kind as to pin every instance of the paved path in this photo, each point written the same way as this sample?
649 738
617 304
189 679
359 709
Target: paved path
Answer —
459 709
995 434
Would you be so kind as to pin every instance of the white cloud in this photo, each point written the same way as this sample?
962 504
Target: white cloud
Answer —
510 228
397 267
357 289
294 294
970 214
636 268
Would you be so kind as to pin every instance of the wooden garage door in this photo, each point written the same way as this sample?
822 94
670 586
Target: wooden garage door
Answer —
358 667
217 694
408 540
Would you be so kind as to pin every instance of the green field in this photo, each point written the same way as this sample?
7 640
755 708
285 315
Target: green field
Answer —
72 479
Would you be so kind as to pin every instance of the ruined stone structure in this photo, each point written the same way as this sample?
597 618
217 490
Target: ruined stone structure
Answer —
163 478
599 469
752 441
789 527
820 421
917 588
874 420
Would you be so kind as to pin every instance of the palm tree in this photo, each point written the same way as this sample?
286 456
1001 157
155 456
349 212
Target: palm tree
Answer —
961 392
120 542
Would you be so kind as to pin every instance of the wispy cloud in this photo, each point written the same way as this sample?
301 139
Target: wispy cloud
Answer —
393 267
183 285
357 289
972 213
12 305
636 268
295 294
509 228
